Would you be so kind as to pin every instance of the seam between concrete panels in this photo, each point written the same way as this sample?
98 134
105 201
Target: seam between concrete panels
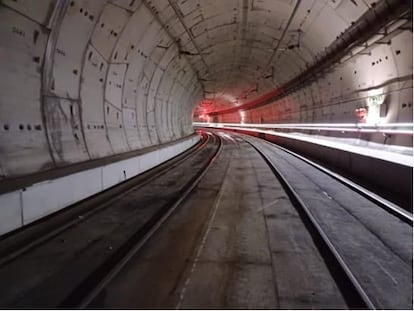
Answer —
123 86
21 206
166 75
122 107
55 23
106 76
149 88
81 70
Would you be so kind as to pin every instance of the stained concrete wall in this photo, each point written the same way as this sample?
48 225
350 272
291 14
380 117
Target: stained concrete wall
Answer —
87 79
386 72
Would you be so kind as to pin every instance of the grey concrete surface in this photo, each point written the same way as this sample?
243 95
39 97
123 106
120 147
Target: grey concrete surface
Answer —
375 245
31 199
84 80
392 180
237 242
106 77
44 276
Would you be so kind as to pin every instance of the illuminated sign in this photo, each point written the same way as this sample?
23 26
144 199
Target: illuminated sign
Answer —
376 100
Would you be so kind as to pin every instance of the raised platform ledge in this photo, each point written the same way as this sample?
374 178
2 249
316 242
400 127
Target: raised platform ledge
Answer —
27 204
384 169
367 150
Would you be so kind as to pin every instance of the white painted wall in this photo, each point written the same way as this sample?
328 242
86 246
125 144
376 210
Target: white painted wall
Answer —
23 206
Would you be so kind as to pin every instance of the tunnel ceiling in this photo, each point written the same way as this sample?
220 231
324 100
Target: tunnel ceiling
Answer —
242 49
102 78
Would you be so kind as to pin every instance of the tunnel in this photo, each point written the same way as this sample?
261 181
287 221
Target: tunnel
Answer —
198 116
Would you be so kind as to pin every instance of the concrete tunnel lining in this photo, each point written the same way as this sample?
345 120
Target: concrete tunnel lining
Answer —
83 96
107 77
95 94
89 80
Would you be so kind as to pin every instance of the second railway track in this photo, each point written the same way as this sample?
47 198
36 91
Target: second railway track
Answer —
63 264
370 264
302 237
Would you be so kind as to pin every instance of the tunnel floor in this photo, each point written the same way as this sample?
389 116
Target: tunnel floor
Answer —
236 243
236 239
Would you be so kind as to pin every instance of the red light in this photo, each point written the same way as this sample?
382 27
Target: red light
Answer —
203 116
361 114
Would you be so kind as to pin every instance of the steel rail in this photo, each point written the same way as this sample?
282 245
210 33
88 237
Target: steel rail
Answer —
388 206
348 284
140 241
26 244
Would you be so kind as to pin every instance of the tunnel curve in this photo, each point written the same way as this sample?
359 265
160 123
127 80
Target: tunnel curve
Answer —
87 79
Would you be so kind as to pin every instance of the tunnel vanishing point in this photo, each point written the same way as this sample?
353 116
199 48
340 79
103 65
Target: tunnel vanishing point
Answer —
83 80
96 92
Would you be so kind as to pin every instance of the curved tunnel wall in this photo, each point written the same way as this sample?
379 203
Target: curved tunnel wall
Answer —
87 79
384 72
84 79
377 76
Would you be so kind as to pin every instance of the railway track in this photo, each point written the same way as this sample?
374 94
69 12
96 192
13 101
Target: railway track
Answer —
83 247
71 259
20 241
388 206
131 247
358 290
